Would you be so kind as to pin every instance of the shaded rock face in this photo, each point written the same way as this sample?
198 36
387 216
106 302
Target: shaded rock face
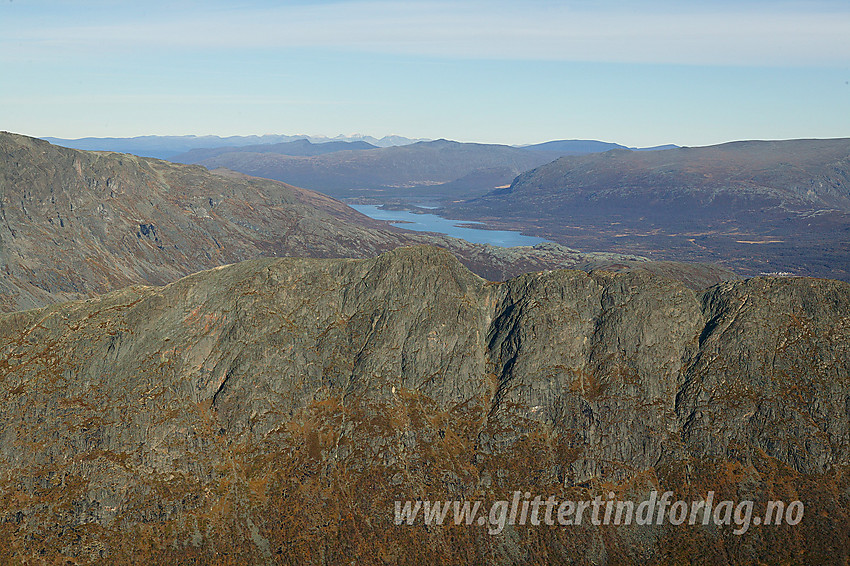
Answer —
272 411
602 359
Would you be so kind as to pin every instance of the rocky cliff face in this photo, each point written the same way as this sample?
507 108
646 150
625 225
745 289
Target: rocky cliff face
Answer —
272 411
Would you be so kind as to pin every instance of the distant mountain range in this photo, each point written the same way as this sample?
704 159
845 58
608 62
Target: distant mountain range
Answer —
441 169
192 149
300 148
164 147
417 169
755 206
304 148
583 147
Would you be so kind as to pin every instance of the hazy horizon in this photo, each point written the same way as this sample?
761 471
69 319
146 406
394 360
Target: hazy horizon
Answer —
358 135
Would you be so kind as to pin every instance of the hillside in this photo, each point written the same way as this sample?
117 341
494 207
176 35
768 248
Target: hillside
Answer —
74 223
272 412
753 206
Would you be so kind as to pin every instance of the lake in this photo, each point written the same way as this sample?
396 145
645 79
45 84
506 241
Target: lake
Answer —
434 223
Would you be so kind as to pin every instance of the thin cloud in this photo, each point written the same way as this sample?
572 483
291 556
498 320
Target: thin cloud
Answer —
757 34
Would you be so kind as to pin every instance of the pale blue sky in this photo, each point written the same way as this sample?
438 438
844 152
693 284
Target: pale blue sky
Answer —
637 73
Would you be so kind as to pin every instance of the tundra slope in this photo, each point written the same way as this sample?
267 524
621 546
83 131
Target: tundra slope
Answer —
272 411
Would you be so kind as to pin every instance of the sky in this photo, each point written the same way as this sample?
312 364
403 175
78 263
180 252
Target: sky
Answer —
514 72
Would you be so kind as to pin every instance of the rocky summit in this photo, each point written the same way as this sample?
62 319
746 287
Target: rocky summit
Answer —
273 411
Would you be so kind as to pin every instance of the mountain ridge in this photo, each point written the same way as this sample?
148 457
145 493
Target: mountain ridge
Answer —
225 415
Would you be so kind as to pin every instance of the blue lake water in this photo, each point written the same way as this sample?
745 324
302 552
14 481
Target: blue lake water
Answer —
434 223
